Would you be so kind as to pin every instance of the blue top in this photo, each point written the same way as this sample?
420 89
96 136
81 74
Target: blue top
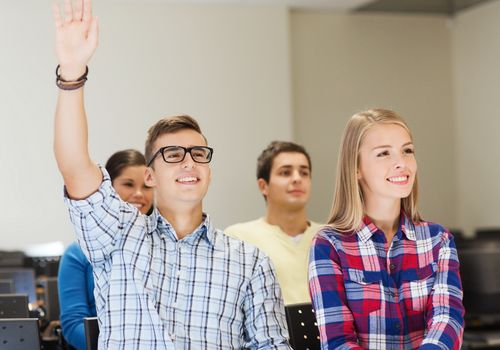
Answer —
76 295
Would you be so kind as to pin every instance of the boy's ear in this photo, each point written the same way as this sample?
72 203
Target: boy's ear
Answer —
263 187
149 177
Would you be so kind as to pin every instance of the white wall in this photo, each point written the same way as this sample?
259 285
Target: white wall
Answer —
343 64
226 66
476 53
230 68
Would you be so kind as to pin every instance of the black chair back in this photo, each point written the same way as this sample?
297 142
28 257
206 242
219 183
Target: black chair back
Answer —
6 286
19 334
50 297
490 233
302 326
91 332
14 306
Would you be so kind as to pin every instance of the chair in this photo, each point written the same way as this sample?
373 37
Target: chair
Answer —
6 286
304 333
50 297
14 306
491 233
91 332
19 334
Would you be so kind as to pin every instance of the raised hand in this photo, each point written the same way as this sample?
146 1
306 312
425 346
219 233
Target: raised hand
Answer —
76 37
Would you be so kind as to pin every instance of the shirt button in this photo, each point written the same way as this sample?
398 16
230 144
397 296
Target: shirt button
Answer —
397 326
172 336
392 267
178 273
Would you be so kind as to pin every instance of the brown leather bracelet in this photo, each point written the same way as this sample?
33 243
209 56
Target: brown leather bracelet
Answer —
69 85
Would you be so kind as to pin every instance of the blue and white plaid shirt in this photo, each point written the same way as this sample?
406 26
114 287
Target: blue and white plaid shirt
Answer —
153 291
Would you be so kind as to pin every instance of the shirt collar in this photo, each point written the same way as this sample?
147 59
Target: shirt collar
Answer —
158 224
368 228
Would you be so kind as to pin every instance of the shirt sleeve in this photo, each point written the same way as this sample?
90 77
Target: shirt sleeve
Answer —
74 300
265 321
445 311
326 285
100 221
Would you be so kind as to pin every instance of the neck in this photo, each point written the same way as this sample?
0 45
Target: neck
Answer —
385 215
183 220
291 221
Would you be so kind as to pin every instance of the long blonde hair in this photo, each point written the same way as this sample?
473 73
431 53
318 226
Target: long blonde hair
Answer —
347 207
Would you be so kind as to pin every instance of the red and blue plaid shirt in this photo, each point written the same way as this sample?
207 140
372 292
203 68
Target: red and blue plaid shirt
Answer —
371 294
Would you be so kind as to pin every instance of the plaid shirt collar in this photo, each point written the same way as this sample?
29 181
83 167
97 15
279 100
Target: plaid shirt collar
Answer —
160 225
367 228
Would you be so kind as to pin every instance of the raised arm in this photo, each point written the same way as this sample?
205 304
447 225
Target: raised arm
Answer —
76 41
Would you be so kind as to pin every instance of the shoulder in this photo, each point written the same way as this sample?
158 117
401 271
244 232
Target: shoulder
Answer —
73 251
429 230
73 260
328 233
314 228
238 250
245 228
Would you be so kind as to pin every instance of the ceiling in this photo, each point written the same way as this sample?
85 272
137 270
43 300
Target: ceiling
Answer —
338 5
443 7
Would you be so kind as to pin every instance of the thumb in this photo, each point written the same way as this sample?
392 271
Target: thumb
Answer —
93 34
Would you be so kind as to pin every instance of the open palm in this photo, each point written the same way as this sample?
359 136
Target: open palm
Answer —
76 36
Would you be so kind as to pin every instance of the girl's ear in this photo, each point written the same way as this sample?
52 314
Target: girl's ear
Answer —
149 177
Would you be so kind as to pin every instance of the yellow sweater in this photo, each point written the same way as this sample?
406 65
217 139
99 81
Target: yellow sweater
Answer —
289 256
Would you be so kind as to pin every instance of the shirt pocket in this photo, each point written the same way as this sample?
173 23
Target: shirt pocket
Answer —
363 290
417 285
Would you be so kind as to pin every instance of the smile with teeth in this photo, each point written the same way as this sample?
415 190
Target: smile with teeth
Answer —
137 205
398 179
187 179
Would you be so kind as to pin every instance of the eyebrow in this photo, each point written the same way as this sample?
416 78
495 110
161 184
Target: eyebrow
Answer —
127 179
389 146
288 166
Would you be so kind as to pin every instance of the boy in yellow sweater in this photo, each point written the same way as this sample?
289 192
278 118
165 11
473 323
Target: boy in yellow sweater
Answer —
284 233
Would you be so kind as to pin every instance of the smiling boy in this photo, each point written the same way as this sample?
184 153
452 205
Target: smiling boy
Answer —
169 280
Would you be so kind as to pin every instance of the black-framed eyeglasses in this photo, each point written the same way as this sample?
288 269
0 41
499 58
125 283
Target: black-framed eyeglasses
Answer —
176 154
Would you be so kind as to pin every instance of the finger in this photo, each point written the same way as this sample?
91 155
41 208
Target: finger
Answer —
57 15
68 11
87 10
78 10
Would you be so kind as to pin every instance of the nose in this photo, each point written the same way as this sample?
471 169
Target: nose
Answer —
139 192
188 161
400 161
296 177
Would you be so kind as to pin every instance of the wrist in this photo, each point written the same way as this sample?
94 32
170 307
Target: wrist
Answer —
70 84
71 72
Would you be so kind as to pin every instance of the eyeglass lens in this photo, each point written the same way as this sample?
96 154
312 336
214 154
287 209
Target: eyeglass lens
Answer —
176 154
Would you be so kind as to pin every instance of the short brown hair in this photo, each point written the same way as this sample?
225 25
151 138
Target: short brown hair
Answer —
266 158
169 125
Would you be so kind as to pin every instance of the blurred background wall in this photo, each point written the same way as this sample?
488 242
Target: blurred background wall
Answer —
251 74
